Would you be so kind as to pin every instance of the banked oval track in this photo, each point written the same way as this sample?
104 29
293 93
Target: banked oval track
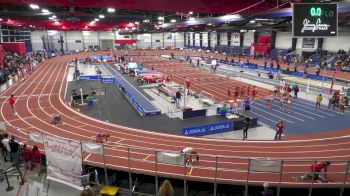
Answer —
42 94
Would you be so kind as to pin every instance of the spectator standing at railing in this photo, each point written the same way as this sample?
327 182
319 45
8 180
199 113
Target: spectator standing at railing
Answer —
27 156
166 189
6 146
267 191
36 160
12 102
15 151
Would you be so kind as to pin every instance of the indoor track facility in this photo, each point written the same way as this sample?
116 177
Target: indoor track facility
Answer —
175 98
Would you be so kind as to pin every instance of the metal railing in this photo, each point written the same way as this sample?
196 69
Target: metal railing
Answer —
231 170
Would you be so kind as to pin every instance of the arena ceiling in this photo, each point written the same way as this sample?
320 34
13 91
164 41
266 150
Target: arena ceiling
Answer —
131 14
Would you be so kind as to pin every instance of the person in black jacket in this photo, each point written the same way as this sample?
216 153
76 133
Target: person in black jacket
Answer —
15 151
246 123
267 191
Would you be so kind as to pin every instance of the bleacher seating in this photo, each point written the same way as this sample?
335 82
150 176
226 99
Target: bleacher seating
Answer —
274 53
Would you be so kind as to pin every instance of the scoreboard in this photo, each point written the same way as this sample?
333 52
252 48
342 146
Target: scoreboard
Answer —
315 20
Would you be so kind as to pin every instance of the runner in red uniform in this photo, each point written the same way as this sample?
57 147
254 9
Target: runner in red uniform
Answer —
12 102
254 92
229 93
236 93
315 169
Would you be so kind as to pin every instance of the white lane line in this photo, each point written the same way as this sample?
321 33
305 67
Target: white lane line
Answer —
273 115
313 109
282 112
297 113
304 110
87 157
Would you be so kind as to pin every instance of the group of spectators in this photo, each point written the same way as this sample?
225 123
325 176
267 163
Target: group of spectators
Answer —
18 153
343 61
21 65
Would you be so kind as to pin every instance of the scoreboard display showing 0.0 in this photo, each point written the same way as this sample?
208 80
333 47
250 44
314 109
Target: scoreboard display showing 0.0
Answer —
315 20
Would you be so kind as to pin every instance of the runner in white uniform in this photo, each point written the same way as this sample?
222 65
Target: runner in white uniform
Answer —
190 152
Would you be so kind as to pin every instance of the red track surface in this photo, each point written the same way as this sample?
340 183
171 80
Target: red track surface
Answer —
42 94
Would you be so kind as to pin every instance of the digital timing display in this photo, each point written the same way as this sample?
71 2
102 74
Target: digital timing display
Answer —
315 20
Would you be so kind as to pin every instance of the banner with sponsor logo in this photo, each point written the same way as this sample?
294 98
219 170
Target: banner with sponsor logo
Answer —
63 160
93 77
207 129
308 43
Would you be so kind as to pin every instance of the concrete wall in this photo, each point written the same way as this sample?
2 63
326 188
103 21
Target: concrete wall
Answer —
283 40
73 40
166 39
248 38
342 41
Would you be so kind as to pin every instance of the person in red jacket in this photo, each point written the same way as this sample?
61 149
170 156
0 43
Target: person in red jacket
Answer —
280 127
27 156
12 102
36 159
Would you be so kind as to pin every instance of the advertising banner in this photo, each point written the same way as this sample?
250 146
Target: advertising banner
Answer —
207 129
63 160
88 77
308 43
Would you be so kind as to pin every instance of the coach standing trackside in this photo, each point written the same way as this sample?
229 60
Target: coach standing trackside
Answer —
279 131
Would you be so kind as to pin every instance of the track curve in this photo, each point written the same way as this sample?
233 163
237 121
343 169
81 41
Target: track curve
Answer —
42 94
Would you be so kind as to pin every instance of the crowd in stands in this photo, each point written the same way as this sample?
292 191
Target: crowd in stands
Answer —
343 61
15 64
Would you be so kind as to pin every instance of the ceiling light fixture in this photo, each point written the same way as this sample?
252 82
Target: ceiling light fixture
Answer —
45 11
110 10
252 21
160 18
101 16
146 21
190 12
173 20
96 19
34 6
